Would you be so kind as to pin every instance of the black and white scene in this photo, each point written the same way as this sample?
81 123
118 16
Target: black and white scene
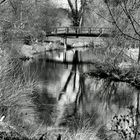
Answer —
69 70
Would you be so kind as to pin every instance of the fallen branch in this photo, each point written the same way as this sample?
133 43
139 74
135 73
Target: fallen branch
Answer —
129 75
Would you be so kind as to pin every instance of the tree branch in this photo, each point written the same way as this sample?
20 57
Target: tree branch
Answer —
135 21
129 17
129 75
14 8
2 1
102 17
71 6
114 21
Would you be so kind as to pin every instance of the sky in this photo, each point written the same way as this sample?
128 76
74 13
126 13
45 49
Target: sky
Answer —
61 3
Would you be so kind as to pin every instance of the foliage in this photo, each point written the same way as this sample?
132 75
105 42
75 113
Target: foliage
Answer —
12 136
25 21
125 125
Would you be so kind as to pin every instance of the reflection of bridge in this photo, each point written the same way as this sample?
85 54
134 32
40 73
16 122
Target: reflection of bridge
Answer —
80 31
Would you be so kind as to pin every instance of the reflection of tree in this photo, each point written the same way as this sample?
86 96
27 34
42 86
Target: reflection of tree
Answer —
73 73
114 74
78 84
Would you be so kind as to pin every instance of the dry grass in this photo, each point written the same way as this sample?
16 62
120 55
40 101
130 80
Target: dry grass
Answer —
16 104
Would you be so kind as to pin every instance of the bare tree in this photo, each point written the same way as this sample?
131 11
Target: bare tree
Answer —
127 21
77 11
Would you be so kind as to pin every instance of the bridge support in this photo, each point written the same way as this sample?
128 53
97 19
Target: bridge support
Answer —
65 60
64 52
65 43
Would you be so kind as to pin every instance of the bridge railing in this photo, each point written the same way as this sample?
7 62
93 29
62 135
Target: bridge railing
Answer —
79 30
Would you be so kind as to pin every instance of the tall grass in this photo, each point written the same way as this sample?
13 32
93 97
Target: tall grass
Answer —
16 104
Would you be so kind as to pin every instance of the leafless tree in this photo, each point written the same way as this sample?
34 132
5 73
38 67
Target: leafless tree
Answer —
77 11
127 21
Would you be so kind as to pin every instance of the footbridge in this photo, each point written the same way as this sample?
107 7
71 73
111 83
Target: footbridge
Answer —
80 32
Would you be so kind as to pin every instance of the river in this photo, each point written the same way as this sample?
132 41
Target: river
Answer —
57 74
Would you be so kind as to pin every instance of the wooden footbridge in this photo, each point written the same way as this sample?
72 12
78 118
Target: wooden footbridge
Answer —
80 32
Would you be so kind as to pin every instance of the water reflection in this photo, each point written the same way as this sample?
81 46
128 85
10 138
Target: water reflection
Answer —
55 74
52 71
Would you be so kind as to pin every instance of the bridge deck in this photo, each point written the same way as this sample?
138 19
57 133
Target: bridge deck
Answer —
80 31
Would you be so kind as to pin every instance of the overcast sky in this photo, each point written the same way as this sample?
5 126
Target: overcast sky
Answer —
61 3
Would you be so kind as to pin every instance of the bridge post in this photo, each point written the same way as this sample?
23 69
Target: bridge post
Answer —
100 31
65 42
65 60
55 30
89 30
77 31
67 30
64 53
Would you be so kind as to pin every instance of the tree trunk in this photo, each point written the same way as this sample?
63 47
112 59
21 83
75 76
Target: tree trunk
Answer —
139 54
137 118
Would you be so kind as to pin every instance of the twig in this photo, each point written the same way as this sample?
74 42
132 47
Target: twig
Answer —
114 21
